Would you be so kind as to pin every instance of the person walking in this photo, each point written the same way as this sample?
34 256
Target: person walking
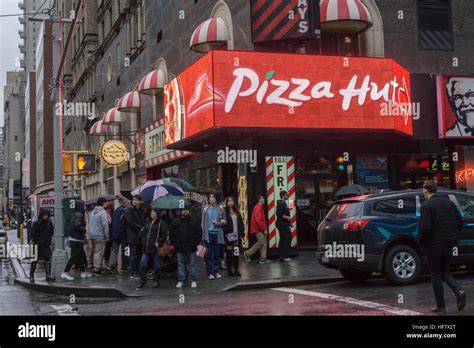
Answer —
440 225
213 218
134 222
41 235
109 208
234 231
283 223
98 233
119 237
77 238
258 227
153 237
185 236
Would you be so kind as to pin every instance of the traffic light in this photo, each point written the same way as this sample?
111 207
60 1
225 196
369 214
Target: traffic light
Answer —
67 164
85 163
340 164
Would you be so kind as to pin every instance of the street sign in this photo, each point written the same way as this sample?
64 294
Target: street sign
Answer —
72 193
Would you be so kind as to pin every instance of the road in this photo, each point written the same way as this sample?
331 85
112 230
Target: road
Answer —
375 297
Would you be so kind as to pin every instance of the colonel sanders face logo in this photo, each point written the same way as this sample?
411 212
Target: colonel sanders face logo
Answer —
460 93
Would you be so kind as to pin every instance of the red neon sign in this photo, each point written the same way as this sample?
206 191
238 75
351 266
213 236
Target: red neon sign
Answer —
275 90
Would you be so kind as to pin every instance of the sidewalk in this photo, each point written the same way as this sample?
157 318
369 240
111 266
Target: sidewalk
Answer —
303 270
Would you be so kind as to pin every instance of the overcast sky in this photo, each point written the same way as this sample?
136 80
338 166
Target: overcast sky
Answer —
9 40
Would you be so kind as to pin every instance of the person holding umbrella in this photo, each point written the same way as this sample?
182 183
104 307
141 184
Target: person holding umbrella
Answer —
134 222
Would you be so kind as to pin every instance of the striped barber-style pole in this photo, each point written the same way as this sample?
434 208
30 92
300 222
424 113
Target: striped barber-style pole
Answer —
280 171
272 235
290 165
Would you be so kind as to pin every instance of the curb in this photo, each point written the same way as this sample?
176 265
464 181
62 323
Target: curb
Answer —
272 283
59 289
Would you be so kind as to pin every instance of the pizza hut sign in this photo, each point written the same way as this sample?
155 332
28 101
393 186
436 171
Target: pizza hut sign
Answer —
248 90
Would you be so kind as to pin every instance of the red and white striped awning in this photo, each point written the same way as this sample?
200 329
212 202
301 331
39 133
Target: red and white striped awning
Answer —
98 128
130 102
209 35
113 117
344 16
153 82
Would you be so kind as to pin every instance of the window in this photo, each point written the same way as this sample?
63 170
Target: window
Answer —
339 44
466 205
396 206
16 137
435 28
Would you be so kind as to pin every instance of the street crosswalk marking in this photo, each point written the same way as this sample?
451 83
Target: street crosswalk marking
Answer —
368 304
65 310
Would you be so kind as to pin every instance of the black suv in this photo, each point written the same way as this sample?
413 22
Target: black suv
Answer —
379 233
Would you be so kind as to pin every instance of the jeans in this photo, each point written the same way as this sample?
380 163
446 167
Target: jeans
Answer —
118 244
133 258
99 248
213 262
183 260
260 245
78 257
439 258
146 259
285 241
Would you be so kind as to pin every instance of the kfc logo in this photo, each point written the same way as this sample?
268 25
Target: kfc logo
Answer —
460 95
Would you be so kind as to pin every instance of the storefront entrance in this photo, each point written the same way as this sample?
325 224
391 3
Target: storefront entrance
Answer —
314 198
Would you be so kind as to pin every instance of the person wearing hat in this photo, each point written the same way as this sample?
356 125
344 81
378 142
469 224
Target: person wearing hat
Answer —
283 223
119 236
41 236
185 234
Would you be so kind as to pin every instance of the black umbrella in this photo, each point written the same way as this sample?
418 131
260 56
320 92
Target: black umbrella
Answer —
351 190
127 194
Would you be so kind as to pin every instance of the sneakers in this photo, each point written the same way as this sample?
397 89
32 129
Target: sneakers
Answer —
247 257
98 273
86 275
223 265
218 276
194 285
286 259
262 262
66 276
461 300
180 285
108 270
134 276
211 277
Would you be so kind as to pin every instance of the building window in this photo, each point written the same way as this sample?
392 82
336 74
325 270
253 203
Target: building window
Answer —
339 44
435 27
16 137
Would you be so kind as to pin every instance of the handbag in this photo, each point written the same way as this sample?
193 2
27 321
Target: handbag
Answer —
201 250
232 237
167 247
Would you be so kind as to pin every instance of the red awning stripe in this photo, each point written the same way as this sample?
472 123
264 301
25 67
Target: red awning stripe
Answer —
339 10
152 82
212 30
130 102
113 116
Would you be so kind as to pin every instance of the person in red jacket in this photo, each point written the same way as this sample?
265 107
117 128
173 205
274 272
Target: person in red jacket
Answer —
258 226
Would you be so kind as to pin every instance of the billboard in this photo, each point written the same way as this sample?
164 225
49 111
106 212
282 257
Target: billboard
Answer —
232 89
455 106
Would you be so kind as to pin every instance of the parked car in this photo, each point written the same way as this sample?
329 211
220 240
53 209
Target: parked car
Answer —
385 227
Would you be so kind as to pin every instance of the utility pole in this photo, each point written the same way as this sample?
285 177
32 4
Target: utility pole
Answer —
59 258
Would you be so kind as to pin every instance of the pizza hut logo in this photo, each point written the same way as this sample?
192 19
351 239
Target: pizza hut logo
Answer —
296 91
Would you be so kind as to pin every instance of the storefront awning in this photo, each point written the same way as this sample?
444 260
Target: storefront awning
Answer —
209 35
112 117
98 128
344 16
130 102
153 82
315 94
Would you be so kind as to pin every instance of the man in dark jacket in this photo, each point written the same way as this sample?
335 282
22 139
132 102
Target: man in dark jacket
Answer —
119 236
134 222
41 236
283 223
77 237
185 234
440 223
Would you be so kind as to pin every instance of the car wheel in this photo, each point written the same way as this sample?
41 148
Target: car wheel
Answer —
354 275
402 265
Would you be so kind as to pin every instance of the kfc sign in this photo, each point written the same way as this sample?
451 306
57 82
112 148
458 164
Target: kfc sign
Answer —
248 90
455 106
